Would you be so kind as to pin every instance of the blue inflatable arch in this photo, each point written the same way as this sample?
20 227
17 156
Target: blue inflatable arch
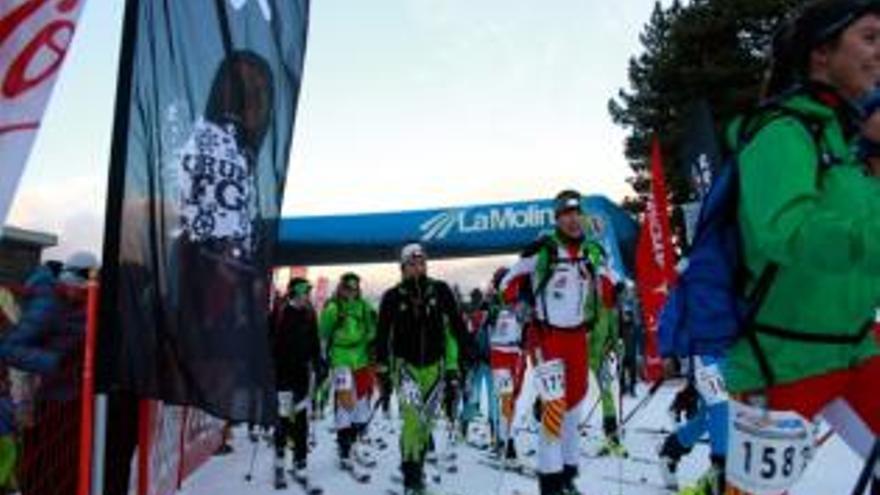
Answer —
447 233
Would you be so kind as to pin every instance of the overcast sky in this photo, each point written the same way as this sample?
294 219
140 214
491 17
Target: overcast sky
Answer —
405 104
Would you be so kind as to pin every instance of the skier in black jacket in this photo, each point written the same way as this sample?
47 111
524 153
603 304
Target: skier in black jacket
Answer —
297 353
413 320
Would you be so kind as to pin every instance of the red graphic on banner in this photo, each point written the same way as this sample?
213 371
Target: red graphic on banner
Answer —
34 38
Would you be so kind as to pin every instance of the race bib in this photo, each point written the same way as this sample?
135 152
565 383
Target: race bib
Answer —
769 450
343 381
507 329
607 373
503 381
710 382
285 404
410 394
551 380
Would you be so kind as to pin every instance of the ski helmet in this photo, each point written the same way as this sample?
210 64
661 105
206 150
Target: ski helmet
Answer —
566 200
411 252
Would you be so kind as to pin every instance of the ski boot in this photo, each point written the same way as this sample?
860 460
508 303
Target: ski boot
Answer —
569 474
670 454
280 482
711 483
552 483
363 455
299 472
612 448
510 450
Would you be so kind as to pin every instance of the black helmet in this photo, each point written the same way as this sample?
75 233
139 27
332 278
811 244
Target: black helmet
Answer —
568 199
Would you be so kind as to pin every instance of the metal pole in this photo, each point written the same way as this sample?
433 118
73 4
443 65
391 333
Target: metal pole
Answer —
99 443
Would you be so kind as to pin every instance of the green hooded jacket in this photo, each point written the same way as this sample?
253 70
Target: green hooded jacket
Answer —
823 229
349 329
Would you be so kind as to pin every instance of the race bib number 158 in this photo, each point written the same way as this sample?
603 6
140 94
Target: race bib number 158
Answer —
769 450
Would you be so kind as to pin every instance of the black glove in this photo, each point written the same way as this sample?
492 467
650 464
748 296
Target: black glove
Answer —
385 387
686 402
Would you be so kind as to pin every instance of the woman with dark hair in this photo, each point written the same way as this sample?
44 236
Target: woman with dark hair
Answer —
810 214
221 239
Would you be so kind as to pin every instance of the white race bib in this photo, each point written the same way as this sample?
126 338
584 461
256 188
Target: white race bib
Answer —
710 382
551 380
343 381
410 394
503 381
608 370
507 331
769 450
285 404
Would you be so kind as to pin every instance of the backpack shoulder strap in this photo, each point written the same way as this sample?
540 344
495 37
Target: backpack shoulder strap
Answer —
765 114
548 257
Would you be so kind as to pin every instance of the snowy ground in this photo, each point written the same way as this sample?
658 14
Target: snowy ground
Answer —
833 472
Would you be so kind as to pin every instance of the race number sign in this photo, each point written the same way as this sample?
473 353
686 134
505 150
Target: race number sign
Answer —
343 381
551 380
769 450
410 394
710 382
507 329
503 381
285 404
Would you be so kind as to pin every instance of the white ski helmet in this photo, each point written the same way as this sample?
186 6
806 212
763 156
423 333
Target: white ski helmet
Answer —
410 251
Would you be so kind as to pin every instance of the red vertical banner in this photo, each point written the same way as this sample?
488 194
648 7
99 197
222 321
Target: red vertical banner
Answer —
655 262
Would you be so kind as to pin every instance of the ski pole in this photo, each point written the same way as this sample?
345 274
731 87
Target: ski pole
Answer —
651 393
868 470
250 474
586 422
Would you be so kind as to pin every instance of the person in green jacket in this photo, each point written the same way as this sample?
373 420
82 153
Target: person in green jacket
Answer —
605 353
812 210
348 327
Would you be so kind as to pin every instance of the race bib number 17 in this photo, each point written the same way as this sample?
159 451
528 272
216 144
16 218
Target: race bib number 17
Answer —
769 450
551 380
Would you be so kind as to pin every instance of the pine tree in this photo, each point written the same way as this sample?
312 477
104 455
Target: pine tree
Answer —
712 50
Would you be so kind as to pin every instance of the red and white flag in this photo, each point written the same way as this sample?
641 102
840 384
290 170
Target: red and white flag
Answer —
34 38
655 263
